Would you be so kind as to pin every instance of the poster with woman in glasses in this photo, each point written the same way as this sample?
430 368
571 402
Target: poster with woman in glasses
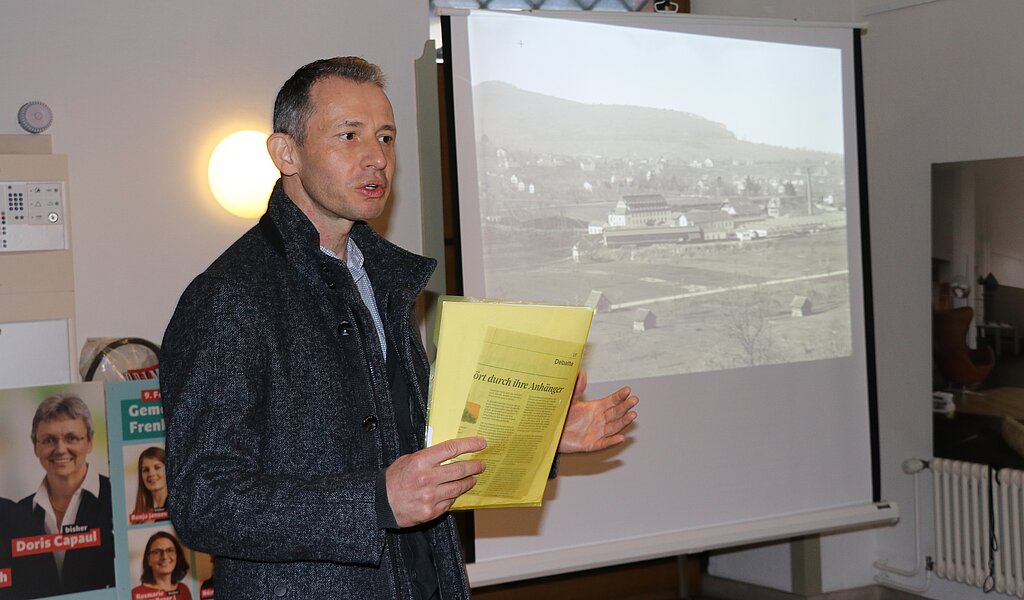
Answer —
55 491
152 563
163 567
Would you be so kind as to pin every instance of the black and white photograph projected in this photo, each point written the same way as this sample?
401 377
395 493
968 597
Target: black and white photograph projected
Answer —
691 188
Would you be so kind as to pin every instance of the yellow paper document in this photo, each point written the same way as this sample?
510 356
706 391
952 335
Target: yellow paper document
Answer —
506 371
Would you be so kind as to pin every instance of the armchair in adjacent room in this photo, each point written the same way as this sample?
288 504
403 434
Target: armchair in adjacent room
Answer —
962 365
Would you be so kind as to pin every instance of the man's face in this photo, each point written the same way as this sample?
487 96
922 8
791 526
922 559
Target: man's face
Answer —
61 446
347 163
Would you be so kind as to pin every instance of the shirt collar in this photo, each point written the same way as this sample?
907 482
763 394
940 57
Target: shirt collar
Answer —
354 258
90 484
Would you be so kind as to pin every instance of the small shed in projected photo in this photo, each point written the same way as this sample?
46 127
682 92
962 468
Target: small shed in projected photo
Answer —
643 319
800 306
599 302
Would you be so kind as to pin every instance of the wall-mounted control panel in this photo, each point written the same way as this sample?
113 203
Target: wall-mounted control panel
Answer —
32 216
38 344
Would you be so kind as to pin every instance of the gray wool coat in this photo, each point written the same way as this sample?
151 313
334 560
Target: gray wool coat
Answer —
279 417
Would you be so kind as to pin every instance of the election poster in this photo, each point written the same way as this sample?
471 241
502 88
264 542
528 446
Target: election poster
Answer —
152 563
56 500
83 497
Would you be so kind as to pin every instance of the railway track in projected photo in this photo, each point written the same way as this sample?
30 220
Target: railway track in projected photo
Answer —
745 286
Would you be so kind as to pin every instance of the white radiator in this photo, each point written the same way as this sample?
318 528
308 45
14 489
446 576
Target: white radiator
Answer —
979 525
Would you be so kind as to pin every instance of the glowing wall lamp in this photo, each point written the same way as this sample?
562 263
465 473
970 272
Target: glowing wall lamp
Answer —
242 174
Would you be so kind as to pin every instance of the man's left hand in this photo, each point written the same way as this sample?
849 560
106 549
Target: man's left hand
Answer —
596 424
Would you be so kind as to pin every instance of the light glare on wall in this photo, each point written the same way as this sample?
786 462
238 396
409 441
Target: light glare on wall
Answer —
242 174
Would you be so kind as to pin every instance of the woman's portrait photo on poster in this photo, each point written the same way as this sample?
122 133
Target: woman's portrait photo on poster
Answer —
145 483
58 524
161 568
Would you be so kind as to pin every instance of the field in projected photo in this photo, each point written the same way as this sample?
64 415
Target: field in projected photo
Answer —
701 251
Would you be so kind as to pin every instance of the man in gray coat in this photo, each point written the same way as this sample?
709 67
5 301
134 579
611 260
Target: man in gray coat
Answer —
294 378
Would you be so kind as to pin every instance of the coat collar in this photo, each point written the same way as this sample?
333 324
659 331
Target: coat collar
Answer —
293 236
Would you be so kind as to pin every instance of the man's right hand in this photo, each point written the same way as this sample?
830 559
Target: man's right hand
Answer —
420 488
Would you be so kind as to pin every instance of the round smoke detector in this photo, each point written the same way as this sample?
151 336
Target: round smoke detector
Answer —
35 117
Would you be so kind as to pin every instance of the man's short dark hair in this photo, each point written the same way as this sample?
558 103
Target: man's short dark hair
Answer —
293 106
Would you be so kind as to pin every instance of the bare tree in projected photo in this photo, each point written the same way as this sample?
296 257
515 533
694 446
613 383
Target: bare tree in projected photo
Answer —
748 321
699 250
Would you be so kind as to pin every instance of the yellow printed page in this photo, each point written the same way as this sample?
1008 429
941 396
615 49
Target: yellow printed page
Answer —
463 330
517 402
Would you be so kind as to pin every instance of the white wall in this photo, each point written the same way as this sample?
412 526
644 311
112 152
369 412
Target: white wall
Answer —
1000 213
977 210
942 83
142 91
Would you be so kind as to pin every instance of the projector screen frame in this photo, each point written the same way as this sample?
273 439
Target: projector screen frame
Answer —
848 517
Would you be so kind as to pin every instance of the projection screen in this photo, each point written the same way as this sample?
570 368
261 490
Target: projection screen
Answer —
698 181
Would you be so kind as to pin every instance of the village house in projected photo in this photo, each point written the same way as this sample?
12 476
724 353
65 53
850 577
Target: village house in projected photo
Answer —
700 251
